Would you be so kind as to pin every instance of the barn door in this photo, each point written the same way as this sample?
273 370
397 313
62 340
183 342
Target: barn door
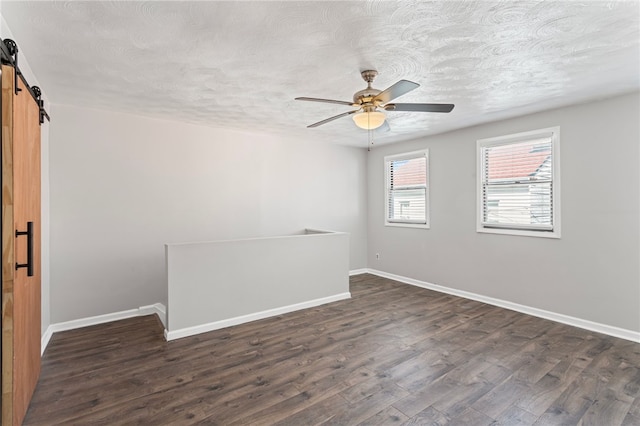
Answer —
20 247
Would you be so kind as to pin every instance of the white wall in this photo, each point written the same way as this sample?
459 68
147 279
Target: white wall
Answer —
122 186
592 272
23 63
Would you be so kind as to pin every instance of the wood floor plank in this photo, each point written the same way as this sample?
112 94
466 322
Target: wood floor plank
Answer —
573 403
535 368
428 416
633 415
388 416
472 417
502 396
362 409
543 393
309 395
423 398
317 414
452 404
515 416
610 407
392 354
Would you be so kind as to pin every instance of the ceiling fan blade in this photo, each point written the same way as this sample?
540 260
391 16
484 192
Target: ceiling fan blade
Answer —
398 89
328 101
420 107
320 123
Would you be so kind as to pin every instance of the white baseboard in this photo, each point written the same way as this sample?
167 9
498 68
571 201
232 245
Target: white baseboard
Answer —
190 331
622 333
160 310
157 308
44 340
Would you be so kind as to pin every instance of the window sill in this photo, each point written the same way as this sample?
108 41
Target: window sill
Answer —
519 232
408 225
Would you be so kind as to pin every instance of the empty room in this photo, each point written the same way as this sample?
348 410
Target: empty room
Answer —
320 212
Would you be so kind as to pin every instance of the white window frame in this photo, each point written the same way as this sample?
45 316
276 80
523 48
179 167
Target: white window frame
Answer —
406 156
554 132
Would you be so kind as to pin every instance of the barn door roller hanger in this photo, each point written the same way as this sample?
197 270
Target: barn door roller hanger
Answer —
9 56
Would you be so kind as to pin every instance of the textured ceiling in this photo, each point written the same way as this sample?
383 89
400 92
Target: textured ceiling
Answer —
240 64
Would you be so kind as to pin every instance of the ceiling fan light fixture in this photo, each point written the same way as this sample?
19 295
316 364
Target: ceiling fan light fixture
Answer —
369 120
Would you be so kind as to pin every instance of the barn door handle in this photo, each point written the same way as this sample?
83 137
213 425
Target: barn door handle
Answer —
29 264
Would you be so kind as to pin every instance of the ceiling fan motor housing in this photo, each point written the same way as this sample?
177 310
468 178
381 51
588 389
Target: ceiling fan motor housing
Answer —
362 97
365 96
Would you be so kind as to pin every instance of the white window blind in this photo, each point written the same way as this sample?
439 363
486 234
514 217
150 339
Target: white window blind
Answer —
407 192
518 185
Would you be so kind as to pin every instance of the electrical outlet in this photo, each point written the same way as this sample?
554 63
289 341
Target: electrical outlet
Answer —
377 255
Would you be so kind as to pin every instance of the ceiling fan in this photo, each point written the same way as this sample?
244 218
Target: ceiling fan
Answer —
371 102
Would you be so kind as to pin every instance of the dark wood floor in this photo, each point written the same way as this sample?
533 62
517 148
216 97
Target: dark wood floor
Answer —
393 354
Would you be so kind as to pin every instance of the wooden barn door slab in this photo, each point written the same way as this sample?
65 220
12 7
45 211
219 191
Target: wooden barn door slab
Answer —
21 271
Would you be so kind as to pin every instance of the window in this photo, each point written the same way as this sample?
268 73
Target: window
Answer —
519 184
407 193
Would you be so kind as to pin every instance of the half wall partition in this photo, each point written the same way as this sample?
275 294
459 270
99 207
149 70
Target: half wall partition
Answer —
217 284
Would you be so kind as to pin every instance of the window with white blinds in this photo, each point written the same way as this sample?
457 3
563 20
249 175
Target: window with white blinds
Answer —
407 192
518 184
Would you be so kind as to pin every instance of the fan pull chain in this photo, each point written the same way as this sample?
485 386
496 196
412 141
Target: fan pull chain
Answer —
370 144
